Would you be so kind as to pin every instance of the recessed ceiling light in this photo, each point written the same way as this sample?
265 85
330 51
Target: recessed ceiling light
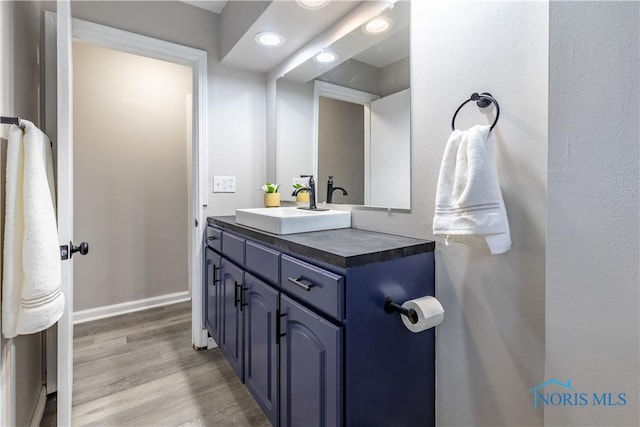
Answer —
378 25
269 39
312 4
325 57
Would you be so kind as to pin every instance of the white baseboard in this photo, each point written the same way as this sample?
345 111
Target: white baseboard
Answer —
40 405
128 307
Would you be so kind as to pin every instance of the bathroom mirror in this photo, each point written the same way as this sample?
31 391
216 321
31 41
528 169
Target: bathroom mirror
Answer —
350 118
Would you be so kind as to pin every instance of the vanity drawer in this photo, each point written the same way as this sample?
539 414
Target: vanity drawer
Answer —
263 261
320 288
214 238
233 247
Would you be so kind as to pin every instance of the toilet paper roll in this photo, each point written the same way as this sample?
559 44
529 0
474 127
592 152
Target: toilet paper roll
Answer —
429 310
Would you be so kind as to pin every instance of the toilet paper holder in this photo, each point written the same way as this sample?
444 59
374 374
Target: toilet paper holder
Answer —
390 306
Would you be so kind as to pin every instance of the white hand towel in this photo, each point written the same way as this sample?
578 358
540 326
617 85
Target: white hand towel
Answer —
469 204
32 299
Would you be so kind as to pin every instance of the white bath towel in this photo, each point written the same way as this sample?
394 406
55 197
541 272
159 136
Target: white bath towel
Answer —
31 296
469 204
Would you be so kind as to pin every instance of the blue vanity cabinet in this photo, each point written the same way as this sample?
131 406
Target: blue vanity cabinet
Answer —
311 368
231 311
247 303
303 323
389 370
212 293
260 345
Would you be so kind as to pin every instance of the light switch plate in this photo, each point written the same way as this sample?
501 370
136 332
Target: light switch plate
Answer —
224 184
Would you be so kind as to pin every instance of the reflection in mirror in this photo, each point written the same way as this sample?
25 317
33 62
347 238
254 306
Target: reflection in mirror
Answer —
351 119
341 151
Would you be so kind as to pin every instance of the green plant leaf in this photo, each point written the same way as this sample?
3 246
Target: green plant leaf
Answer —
270 188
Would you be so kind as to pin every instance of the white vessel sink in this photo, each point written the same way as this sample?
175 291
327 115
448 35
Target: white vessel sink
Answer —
291 220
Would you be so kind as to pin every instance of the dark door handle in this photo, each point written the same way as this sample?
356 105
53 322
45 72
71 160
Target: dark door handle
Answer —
83 249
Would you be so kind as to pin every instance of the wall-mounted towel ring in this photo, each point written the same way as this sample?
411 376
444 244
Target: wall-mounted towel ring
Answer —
18 122
483 100
11 121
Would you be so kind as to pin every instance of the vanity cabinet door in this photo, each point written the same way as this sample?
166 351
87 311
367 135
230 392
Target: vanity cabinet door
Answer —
212 294
311 368
231 311
260 346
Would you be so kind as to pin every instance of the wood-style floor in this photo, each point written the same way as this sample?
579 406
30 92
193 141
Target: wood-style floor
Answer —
139 369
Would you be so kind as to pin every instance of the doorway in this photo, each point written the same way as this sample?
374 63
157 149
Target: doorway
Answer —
59 30
132 122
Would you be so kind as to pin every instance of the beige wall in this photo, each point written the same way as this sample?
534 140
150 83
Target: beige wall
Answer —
340 150
490 347
20 83
237 131
131 176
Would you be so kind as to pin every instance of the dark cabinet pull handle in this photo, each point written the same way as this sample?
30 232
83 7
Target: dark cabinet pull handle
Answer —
211 238
279 317
243 297
215 279
209 262
235 294
298 283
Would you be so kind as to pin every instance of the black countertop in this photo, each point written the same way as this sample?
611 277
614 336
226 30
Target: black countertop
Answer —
344 248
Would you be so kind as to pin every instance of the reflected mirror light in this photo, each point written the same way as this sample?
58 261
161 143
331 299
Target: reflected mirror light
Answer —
312 4
326 57
378 25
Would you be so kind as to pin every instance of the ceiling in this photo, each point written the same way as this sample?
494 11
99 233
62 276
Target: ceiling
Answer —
377 51
298 25
211 5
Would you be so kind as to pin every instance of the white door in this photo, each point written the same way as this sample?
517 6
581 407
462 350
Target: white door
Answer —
65 207
58 86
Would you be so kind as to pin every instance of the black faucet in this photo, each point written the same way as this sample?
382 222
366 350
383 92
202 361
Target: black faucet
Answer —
311 188
331 189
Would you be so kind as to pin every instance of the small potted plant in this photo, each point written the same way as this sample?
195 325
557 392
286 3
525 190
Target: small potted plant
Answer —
302 195
271 195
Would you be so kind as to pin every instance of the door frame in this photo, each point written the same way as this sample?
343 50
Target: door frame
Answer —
112 38
342 93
